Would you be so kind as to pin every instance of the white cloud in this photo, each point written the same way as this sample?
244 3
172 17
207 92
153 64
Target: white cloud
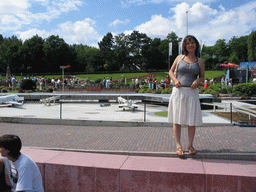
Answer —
117 22
32 32
73 33
128 3
204 22
19 14
79 32
158 25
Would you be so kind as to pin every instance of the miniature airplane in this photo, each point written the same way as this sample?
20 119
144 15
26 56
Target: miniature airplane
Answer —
11 100
47 101
126 104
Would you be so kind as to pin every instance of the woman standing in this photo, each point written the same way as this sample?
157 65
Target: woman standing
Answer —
184 105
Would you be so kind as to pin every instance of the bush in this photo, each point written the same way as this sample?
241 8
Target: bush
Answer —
28 84
29 91
157 91
4 90
212 92
215 87
98 80
246 88
149 91
167 91
224 91
136 90
115 87
237 94
49 90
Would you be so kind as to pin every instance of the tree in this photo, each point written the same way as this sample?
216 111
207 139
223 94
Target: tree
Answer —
153 55
81 57
121 51
94 60
33 55
10 54
106 47
252 46
239 46
136 42
220 49
57 53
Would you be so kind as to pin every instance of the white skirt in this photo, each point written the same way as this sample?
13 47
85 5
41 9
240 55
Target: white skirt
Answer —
184 107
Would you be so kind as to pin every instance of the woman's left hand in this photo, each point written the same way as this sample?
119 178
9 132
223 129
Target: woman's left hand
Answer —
195 84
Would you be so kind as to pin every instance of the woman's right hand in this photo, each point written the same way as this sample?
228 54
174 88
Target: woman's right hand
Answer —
177 84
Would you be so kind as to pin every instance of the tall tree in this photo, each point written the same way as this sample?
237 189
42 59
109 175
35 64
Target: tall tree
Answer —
136 42
153 55
252 46
121 51
57 53
33 55
221 50
106 47
239 49
10 54
81 57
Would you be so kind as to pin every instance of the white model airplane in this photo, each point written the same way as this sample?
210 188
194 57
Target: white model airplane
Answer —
11 100
126 104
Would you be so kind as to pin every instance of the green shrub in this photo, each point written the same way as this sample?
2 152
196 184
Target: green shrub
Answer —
149 91
167 91
98 80
28 84
157 91
115 87
237 94
212 92
29 91
202 90
230 89
223 91
215 87
246 88
49 90
4 90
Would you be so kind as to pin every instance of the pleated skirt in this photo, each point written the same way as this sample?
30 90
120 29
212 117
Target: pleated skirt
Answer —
184 107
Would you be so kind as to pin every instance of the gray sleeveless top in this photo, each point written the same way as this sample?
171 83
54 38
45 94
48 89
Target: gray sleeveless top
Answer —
187 73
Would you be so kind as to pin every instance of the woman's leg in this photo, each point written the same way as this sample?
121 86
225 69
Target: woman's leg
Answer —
191 135
177 134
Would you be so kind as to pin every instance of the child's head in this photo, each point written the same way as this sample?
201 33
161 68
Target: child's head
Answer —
12 143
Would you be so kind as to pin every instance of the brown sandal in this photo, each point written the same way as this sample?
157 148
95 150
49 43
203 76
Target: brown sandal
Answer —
191 151
180 151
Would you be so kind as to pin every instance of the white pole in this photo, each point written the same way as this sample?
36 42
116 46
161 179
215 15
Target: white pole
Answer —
187 22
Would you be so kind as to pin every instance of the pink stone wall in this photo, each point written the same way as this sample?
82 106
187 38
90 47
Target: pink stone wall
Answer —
73 171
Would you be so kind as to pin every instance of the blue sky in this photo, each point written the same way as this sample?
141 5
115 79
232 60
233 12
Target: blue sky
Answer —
87 21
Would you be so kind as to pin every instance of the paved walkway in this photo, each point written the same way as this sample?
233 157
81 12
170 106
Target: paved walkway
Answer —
230 142
221 140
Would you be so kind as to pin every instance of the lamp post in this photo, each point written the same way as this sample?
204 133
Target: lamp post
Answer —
187 22
63 67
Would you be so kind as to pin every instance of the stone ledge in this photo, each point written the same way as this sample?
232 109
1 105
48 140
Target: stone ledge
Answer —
73 171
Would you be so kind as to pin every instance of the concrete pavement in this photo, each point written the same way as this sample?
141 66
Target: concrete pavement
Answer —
217 138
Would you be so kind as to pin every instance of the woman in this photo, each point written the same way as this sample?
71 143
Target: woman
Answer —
184 106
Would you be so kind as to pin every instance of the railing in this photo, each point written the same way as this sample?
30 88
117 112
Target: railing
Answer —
244 114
